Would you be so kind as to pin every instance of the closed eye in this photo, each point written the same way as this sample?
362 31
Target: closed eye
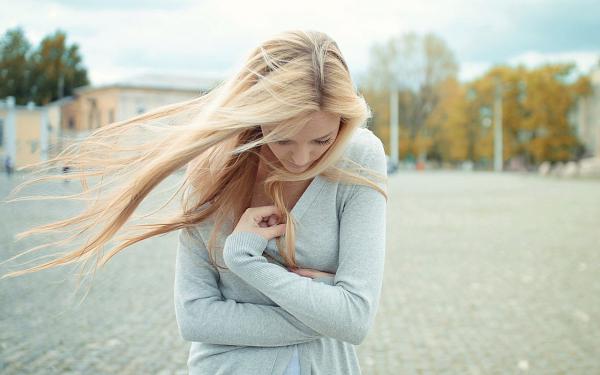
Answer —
325 142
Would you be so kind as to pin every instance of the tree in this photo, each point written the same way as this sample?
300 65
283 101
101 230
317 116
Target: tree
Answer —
416 66
550 97
450 125
51 71
480 107
535 115
57 68
14 66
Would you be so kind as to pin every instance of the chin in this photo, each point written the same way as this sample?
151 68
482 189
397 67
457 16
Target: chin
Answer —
294 169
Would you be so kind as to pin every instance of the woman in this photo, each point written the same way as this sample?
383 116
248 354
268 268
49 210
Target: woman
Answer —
280 257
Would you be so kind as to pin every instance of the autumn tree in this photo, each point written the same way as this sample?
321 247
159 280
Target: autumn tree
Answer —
416 66
550 97
536 106
480 96
450 125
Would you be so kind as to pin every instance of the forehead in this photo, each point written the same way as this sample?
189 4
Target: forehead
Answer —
318 125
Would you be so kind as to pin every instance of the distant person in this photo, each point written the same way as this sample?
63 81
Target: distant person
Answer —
8 165
65 170
278 162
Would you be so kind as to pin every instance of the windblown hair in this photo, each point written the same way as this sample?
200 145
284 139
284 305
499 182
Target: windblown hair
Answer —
215 140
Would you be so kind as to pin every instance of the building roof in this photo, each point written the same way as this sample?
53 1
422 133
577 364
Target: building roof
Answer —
31 106
159 82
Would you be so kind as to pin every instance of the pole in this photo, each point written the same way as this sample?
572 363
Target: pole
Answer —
44 133
394 148
498 158
10 138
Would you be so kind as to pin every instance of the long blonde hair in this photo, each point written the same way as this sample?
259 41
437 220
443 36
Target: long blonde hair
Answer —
215 138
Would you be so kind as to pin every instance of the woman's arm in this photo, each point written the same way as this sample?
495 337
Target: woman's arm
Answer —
203 314
345 310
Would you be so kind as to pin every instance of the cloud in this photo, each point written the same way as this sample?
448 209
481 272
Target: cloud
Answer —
134 36
509 28
473 69
123 4
584 60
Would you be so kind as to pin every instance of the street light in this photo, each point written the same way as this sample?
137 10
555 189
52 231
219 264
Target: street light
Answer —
498 157
394 125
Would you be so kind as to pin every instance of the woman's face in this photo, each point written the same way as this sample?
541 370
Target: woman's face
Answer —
298 153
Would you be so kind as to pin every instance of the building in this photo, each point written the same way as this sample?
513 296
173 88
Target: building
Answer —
27 132
30 134
96 106
588 117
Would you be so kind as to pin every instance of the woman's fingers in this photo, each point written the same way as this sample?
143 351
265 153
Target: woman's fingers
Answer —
259 220
308 272
262 212
273 219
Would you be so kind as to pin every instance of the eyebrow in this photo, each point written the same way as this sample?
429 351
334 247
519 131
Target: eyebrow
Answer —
316 139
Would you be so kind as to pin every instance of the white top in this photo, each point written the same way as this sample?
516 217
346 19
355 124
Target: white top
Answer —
294 364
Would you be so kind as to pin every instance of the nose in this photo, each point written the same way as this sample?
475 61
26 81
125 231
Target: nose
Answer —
301 158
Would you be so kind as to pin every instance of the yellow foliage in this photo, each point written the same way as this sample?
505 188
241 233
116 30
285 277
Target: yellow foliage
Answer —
535 116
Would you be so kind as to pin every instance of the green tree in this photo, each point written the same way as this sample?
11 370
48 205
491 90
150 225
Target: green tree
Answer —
57 68
15 71
49 72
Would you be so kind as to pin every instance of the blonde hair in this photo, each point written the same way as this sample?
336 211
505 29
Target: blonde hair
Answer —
216 138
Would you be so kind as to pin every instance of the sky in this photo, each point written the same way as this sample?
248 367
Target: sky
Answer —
125 38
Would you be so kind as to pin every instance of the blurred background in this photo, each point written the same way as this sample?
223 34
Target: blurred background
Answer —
489 112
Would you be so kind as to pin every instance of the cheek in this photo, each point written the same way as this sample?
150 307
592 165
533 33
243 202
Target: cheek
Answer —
323 149
327 147
279 152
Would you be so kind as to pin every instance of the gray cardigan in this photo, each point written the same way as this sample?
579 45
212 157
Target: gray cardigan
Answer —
245 320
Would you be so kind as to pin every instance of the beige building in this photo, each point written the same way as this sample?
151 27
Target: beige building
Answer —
96 106
26 132
588 117
30 134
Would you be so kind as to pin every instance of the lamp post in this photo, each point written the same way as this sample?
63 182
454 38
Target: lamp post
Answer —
10 136
394 127
498 158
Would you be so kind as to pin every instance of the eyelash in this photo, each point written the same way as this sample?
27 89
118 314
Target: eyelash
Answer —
323 143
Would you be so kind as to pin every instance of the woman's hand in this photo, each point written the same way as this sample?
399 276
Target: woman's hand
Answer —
308 272
264 221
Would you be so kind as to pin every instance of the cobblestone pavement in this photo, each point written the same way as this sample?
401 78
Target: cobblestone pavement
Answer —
485 274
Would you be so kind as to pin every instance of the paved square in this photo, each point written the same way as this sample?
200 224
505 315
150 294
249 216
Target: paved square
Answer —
485 274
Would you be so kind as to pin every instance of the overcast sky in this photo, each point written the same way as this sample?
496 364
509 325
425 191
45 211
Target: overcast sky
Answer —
124 38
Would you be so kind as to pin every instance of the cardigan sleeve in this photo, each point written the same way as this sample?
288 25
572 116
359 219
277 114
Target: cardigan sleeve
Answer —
346 309
203 314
